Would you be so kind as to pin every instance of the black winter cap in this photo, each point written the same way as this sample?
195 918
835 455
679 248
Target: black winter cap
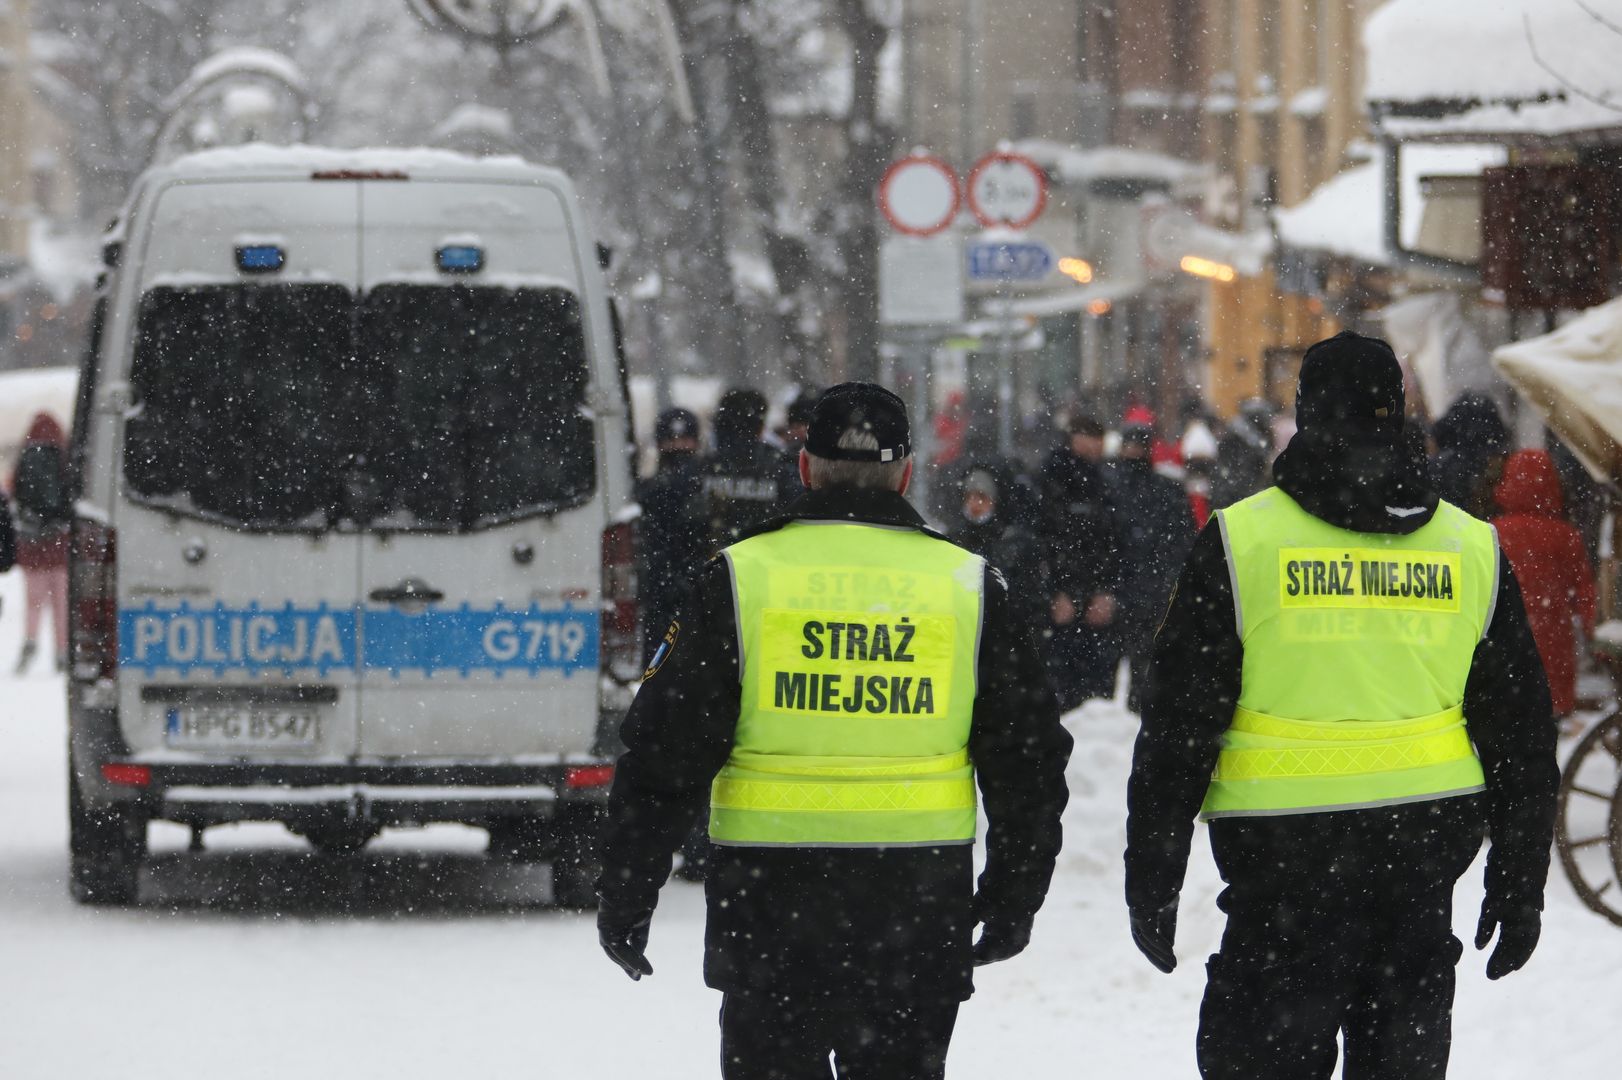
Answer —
676 424
857 406
1350 381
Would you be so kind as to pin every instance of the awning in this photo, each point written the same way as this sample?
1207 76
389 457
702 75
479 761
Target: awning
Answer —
1573 378
1069 300
1442 349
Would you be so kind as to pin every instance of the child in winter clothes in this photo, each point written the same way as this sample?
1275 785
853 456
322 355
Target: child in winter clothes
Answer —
1546 552
43 517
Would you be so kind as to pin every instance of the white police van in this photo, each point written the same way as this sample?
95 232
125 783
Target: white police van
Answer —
350 456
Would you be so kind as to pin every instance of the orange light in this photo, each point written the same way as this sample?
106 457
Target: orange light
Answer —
1207 268
25 332
49 312
1099 307
1078 270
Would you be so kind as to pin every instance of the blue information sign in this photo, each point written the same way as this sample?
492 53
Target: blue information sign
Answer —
1009 261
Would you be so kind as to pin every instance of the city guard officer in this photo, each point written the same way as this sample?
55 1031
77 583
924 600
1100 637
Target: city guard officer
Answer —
1349 693
839 681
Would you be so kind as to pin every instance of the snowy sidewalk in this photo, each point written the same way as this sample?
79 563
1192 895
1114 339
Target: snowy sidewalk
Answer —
281 981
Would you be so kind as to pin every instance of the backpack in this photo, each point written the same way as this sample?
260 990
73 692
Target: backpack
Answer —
41 488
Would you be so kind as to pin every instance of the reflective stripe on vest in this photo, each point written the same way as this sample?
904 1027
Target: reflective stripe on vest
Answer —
857 651
1356 650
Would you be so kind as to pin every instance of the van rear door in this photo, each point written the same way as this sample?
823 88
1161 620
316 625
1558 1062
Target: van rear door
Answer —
237 625
480 571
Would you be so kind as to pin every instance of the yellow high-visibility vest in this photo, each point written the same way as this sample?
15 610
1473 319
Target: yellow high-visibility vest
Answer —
857 649
1356 651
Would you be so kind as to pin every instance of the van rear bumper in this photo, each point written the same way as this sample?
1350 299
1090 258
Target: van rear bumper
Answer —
384 794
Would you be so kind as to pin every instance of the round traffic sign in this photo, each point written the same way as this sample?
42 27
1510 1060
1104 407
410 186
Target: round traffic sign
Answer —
919 195
1007 189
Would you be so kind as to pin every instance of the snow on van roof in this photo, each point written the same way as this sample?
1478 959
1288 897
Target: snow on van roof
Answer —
264 158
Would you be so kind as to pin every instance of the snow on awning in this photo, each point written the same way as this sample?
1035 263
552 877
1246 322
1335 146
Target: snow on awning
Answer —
1067 301
1510 69
1074 165
1573 378
1344 217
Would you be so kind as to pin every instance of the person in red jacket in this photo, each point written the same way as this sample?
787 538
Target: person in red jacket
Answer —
1546 552
40 490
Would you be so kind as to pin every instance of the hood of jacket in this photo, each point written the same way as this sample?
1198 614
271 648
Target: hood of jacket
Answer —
1530 485
1471 424
43 430
1359 480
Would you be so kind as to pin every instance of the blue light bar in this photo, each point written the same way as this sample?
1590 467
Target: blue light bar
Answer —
260 258
461 259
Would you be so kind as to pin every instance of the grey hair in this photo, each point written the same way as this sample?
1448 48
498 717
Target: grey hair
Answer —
879 475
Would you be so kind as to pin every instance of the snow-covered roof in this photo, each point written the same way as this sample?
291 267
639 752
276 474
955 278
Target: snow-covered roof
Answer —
1075 165
1343 217
299 161
1502 68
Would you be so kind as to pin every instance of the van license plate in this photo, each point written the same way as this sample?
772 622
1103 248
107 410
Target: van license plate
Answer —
241 729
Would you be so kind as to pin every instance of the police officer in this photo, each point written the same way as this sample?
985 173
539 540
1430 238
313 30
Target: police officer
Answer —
838 681
1357 697
672 541
743 482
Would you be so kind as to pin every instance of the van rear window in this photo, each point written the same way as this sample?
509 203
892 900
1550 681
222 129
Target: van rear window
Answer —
235 416
419 407
477 398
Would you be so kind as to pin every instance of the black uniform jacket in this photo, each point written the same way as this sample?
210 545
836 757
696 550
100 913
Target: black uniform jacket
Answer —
895 921
1198 657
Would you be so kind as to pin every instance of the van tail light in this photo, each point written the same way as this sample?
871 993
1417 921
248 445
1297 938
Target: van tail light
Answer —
93 601
621 633
127 775
588 776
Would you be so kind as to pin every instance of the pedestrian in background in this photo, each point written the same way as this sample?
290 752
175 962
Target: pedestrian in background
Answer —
1079 536
671 543
988 527
44 516
1350 694
743 481
1471 445
1154 527
1245 451
886 677
1551 563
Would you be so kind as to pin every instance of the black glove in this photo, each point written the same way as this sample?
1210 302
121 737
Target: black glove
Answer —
1001 939
1153 933
1518 928
623 934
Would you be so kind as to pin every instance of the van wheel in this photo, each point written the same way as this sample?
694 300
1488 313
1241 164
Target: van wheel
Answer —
106 845
578 861
340 841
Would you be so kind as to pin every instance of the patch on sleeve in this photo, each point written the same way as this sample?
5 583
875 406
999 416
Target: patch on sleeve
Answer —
662 653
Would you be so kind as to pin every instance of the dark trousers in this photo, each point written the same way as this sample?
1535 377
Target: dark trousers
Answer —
1338 923
767 1036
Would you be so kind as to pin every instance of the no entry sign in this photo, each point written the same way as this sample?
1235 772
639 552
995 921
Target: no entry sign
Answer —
919 195
1007 189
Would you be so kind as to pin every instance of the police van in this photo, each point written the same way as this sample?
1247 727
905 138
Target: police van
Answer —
350 456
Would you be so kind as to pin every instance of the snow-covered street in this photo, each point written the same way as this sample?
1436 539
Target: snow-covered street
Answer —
256 960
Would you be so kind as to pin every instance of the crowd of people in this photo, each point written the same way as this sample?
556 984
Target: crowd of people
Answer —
1092 533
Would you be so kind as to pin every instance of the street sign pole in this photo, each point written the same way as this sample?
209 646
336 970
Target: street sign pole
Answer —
1005 374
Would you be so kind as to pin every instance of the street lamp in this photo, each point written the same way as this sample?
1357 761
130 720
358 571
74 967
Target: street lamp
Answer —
504 24
236 95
